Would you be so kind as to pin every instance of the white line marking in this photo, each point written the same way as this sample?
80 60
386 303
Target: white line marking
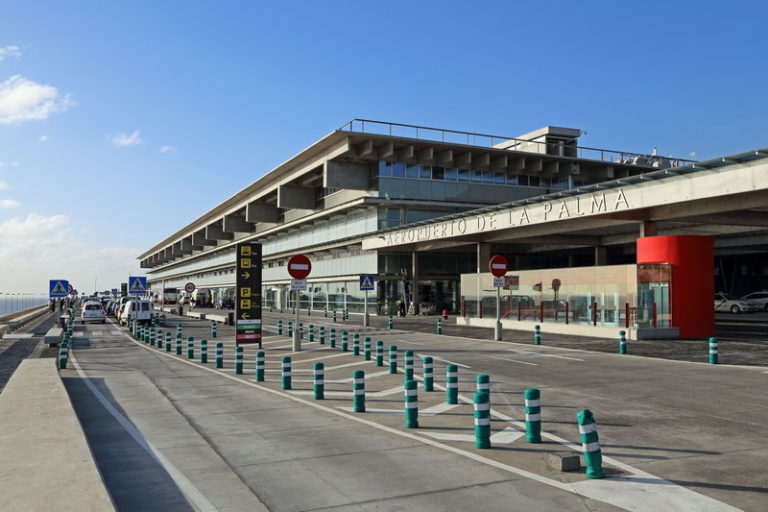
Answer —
386 392
409 342
542 354
513 360
367 376
296 361
374 411
437 409
447 361
327 393
116 333
506 436
184 484
18 336
451 437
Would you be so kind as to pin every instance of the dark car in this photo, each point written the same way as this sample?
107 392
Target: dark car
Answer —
225 303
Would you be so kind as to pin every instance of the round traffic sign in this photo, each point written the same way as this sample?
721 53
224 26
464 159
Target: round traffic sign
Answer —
70 289
555 284
498 265
299 266
189 287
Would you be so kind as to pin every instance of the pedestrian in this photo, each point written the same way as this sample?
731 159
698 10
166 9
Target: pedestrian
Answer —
402 308
52 305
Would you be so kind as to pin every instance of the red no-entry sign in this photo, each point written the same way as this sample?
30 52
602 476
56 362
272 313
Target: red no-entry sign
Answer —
299 266
498 265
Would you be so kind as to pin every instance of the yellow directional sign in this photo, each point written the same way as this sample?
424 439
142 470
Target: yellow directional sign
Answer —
245 292
245 250
245 315
245 303
248 293
245 262
245 275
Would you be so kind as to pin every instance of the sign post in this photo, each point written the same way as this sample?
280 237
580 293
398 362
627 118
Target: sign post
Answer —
366 285
498 266
299 268
247 294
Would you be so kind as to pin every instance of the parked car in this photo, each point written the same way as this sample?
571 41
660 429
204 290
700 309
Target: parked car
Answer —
92 312
727 302
139 309
225 303
758 300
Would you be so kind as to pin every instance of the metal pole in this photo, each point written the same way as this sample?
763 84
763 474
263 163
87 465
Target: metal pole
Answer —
366 318
296 333
497 327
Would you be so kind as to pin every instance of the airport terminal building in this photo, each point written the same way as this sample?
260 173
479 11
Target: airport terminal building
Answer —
423 209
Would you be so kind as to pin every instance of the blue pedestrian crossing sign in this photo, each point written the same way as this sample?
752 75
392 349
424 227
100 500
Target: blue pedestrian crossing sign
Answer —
137 285
366 282
58 288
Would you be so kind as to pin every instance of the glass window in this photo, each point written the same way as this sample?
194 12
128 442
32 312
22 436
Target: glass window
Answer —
463 175
437 173
513 180
452 174
476 176
412 171
398 170
499 178
425 172
533 181
385 168
545 182
487 177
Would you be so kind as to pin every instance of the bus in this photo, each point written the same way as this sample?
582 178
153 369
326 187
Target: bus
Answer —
169 296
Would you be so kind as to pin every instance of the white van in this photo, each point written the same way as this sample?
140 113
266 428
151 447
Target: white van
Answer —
139 309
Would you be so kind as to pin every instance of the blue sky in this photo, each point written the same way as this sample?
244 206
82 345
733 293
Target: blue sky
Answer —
121 122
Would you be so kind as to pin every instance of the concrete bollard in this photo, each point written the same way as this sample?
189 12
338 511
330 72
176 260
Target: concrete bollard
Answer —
356 344
537 335
290 329
622 342
319 381
311 333
392 359
367 348
260 365
178 344
238 360
482 405
590 443
408 364
390 322
411 404
429 377
439 326
204 351
191 347
63 355
279 327
358 391
168 342
219 355
379 353
532 415
344 341
713 351
214 329
452 384
322 335
332 339
286 372
483 383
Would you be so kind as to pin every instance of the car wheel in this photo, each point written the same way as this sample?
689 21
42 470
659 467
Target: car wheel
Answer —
735 310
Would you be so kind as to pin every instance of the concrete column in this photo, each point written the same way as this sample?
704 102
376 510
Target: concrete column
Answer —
601 255
415 281
483 256
648 228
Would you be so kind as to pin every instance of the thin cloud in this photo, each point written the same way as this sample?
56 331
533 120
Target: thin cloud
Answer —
4 185
166 149
6 204
122 140
9 51
42 138
24 100
8 164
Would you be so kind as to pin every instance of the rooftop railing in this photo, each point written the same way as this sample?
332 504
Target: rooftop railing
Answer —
560 148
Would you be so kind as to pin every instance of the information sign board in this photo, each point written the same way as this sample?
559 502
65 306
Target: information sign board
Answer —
298 285
123 289
498 282
248 293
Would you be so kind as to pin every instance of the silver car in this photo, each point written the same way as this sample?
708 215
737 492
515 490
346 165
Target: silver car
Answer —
758 300
725 302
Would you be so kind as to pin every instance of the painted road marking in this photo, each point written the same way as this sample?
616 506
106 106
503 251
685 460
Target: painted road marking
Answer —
386 392
18 336
513 360
506 436
115 333
542 354
446 361
437 409
409 342
367 376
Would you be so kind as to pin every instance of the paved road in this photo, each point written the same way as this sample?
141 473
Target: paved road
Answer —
676 436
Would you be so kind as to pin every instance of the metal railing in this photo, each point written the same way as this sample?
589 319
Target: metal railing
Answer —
427 133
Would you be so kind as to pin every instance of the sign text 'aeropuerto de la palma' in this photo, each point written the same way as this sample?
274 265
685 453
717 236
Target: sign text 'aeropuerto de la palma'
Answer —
248 294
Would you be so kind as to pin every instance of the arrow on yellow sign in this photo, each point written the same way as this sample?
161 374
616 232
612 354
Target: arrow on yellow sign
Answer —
245 315
245 275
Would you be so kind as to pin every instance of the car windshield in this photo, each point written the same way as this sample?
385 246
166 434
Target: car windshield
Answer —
728 296
92 307
145 306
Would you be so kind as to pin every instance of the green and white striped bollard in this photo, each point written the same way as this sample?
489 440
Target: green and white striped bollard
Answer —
260 365
713 351
344 341
334 316
160 337
311 333
214 329
152 337
358 391
532 415
622 342
452 384
238 360
393 359
482 405
322 335
356 344
178 330
483 383
290 329
318 386
191 347
309 311
301 331
63 355
325 313
346 315
332 340
367 348
167 341
379 353
590 443
390 322
204 351
286 372
411 404
219 355
537 335
279 327
408 364
439 327
178 344
429 378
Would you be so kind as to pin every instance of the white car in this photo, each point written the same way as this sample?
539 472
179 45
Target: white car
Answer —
758 300
92 312
139 309
725 302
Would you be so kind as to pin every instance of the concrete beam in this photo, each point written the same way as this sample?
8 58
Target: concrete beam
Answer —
740 218
235 224
499 163
426 155
387 151
550 168
534 165
200 240
261 212
168 254
444 158
176 249
295 197
481 161
516 165
215 232
186 245
463 160
366 150
406 153
346 175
